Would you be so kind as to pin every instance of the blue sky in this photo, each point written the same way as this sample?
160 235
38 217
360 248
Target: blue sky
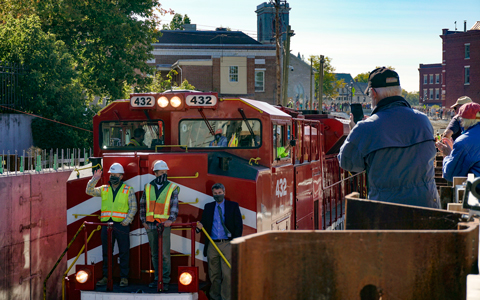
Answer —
357 35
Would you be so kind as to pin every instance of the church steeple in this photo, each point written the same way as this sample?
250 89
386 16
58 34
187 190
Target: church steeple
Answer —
266 22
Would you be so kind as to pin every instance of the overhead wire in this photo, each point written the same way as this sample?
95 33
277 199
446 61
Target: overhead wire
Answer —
51 120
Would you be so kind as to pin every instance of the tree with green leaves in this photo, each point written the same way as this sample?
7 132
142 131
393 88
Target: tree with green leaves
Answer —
330 83
411 97
51 87
111 41
362 77
177 21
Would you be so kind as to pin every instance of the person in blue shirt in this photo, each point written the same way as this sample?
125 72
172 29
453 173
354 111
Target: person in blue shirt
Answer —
219 140
395 146
223 222
464 158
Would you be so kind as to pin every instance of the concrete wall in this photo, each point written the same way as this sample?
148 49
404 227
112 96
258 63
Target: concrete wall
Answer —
15 132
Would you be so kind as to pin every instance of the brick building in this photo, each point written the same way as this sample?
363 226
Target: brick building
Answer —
461 64
431 80
227 62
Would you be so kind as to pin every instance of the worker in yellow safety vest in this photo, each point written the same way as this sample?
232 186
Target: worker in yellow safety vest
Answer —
159 209
119 206
138 137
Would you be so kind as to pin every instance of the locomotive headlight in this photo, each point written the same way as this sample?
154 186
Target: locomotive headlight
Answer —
83 275
163 102
185 278
175 101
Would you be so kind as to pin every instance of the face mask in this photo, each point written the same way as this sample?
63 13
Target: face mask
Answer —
217 136
161 179
218 198
114 179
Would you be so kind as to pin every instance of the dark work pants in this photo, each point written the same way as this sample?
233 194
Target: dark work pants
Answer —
120 233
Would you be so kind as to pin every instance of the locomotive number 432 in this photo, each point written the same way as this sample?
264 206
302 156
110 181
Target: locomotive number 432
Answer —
201 100
142 101
281 189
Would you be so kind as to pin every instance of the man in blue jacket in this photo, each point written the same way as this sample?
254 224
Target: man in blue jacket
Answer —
395 145
223 222
464 158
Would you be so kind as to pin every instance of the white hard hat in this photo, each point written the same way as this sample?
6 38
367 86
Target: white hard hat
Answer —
116 168
160 165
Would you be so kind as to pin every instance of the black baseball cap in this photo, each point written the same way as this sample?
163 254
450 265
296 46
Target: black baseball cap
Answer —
382 77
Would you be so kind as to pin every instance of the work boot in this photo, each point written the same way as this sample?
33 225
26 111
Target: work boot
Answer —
123 282
102 281
153 284
165 287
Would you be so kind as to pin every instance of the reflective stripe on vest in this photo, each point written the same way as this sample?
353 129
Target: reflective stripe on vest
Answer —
117 210
134 143
158 208
233 141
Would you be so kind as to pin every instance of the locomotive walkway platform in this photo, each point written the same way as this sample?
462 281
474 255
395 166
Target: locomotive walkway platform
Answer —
137 292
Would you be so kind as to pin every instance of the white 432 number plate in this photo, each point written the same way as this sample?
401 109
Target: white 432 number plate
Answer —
201 100
142 101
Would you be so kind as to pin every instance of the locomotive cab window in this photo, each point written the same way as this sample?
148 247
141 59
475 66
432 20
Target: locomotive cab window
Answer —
220 133
131 135
281 141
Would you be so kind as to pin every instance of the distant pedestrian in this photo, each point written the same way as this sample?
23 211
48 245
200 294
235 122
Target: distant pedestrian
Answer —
454 129
464 158
395 145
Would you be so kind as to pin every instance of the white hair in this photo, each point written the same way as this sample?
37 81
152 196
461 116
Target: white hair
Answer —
467 123
389 91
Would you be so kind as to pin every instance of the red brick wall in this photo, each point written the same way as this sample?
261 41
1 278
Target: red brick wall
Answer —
454 65
430 69
199 76
216 75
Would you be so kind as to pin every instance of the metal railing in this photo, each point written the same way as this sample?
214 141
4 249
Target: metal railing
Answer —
35 160
10 92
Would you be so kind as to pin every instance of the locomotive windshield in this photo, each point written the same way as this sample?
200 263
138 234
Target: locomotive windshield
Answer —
120 135
227 133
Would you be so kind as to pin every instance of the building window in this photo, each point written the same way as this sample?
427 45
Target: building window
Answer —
259 81
437 94
467 51
431 78
233 74
424 79
467 75
437 78
431 94
425 94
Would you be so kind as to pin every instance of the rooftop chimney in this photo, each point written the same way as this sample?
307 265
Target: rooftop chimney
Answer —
465 26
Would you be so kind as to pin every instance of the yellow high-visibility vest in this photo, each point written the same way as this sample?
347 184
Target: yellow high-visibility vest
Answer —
117 210
134 143
233 141
158 209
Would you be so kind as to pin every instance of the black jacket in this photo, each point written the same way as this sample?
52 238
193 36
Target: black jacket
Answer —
233 220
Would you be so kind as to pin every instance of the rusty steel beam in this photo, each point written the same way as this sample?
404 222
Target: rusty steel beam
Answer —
422 254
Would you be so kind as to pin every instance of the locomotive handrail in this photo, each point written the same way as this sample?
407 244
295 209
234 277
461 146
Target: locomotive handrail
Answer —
214 245
78 173
340 181
163 146
194 202
58 261
84 215
184 177
255 160
76 258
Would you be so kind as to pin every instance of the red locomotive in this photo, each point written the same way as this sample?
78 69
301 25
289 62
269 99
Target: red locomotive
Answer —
241 143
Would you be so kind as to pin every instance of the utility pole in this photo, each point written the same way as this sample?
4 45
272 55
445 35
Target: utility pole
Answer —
277 43
286 64
320 83
311 83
